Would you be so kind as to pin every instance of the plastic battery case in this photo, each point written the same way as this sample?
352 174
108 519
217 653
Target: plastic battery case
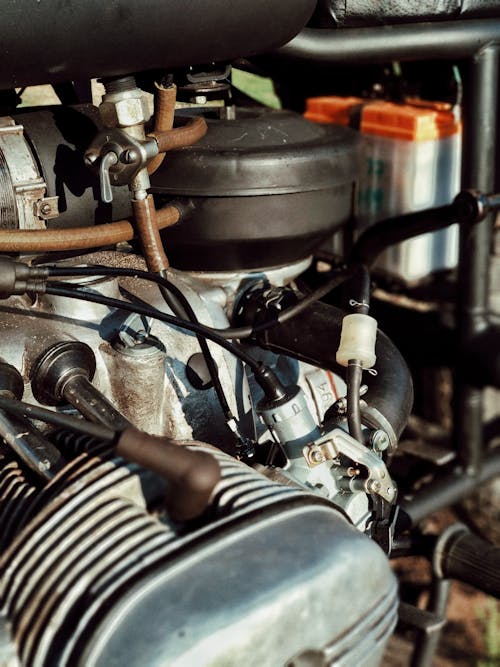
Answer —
412 162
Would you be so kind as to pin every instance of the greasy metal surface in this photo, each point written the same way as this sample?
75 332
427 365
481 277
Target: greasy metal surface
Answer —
152 392
117 561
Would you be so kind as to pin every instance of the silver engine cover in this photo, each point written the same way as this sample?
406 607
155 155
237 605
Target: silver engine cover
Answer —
271 576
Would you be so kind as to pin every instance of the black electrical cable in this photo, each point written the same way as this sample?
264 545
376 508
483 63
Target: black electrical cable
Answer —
22 409
177 302
180 306
360 286
230 332
76 292
353 382
264 376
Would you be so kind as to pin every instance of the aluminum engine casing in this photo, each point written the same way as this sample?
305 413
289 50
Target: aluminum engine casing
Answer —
147 382
88 576
271 576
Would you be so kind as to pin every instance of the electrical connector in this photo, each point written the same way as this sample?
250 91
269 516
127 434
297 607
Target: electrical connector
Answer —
19 278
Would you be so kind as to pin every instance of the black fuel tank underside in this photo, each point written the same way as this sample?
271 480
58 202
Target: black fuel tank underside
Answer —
61 40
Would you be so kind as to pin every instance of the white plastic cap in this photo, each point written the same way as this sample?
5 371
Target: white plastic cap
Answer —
357 340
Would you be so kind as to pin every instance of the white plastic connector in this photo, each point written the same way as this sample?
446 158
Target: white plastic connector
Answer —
357 340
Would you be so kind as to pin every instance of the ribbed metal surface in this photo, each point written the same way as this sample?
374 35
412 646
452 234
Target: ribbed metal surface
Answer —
88 538
15 495
8 209
358 645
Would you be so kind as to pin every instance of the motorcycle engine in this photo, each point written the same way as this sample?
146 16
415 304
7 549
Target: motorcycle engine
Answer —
279 565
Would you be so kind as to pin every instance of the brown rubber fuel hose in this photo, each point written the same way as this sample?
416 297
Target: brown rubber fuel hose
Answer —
191 475
164 117
179 137
149 234
79 238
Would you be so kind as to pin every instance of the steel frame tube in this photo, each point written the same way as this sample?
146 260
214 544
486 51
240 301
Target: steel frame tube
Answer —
449 488
479 142
426 647
415 41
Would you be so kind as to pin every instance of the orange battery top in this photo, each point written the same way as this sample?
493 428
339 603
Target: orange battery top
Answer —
404 121
417 120
332 109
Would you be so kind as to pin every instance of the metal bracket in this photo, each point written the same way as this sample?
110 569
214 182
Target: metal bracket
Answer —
337 442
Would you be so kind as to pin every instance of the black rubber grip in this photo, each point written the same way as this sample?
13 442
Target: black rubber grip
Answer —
470 559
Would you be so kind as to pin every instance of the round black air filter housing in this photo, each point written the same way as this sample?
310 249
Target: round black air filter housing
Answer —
267 188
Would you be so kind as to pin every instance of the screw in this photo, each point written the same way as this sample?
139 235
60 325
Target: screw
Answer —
340 406
130 156
379 440
45 209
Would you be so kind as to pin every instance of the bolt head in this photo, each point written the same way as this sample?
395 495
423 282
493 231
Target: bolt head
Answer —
90 158
380 440
130 156
317 456
374 486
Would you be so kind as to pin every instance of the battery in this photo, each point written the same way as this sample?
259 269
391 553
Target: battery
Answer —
412 162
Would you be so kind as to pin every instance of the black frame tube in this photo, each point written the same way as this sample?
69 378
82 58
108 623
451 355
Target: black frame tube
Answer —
426 646
478 41
449 488
479 141
414 41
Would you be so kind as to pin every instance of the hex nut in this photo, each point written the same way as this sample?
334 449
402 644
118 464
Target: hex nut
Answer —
122 113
